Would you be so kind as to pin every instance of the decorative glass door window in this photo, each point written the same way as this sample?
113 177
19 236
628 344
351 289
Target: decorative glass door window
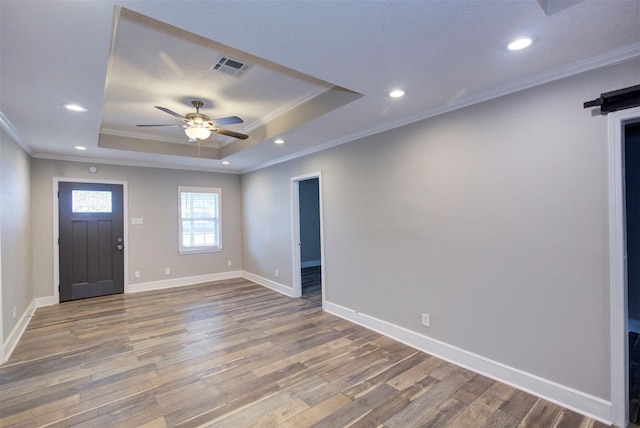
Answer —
90 201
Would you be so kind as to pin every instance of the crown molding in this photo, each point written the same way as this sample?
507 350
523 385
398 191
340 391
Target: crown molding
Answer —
11 130
616 56
133 163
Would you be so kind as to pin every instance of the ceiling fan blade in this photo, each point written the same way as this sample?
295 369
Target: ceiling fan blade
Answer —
171 112
231 133
174 126
225 121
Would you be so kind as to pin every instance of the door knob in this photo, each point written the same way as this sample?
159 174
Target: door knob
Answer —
120 247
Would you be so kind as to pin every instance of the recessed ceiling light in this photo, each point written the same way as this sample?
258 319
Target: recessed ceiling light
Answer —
75 107
397 93
80 148
279 141
225 162
518 44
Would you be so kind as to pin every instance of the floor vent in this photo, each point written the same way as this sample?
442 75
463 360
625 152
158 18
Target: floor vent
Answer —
230 66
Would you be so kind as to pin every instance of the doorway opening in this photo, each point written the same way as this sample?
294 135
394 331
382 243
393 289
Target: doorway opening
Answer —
307 238
631 167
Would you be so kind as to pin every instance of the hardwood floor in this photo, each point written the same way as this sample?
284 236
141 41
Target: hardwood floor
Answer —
312 284
235 354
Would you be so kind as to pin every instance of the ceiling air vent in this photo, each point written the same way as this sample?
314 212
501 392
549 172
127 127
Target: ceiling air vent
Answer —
230 66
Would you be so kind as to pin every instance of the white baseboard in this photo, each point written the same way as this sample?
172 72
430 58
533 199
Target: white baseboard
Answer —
634 325
280 288
570 398
311 263
181 282
18 331
45 301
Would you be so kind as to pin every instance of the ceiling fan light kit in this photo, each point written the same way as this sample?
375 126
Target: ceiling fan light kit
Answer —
197 133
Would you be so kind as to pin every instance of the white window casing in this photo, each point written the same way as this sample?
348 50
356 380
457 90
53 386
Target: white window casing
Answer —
199 219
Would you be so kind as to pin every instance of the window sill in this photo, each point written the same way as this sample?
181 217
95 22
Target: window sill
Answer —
186 251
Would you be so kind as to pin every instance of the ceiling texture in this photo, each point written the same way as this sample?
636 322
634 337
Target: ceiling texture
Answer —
315 73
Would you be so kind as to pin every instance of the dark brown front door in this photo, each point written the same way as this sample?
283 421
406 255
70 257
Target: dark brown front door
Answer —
91 241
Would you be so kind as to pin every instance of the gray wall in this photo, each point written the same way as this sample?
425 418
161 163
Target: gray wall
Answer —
309 221
152 195
493 219
15 221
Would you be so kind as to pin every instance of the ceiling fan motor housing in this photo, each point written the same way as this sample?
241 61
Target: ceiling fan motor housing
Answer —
197 118
200 126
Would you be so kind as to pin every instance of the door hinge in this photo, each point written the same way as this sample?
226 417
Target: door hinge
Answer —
58 241
58 288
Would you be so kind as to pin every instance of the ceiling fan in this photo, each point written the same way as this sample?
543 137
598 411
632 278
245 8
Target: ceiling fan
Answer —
199 126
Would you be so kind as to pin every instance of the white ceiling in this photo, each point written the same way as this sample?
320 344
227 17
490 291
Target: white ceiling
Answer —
320 77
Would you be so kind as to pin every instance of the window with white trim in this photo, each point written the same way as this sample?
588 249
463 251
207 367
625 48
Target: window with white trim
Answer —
199 219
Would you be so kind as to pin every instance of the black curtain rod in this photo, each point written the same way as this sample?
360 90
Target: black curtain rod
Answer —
616 100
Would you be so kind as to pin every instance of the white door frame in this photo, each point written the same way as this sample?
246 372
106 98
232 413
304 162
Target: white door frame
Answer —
618 269
295 232
56 231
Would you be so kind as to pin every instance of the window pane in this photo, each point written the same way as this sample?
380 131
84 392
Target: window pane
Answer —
90 201
199 219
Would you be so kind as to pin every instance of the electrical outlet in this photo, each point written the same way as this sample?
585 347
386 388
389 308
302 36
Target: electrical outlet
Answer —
137 274
277 274
425 320
14 312
167 271
229 263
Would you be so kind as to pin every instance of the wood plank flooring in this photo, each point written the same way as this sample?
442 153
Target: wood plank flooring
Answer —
311 278
235 354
